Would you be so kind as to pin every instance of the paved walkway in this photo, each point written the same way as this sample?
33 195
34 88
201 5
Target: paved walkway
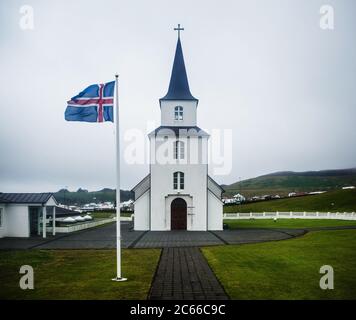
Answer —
104 237
183 273
169 239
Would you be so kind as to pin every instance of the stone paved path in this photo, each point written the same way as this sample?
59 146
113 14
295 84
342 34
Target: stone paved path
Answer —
104 237
164 239
183 273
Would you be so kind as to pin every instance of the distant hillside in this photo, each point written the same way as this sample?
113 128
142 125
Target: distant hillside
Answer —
82 196
284 182
332 201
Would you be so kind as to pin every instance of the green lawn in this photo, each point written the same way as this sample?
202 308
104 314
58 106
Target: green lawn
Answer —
78 274
333 201
287 269
105 214
287 223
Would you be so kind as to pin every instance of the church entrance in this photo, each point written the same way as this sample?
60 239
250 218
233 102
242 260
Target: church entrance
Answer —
178 214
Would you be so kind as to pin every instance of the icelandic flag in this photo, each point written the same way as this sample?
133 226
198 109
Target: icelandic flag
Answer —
93 104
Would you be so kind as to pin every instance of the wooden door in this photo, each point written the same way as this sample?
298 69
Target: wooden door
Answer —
178 214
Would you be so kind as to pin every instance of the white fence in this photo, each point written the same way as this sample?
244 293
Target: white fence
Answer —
86 225
293 215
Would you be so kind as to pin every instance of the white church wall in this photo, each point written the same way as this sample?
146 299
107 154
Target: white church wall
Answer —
195 186
141 209
17 221
3 228
189 113
215 212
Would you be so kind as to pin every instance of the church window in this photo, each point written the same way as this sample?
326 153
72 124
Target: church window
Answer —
178 181
178 150
178 113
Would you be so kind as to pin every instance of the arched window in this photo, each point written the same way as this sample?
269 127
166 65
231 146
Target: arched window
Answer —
178 113
178 150
178 181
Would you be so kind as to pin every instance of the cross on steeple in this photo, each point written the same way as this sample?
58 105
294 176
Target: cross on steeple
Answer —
179 29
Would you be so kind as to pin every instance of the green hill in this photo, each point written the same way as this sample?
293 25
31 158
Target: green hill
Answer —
284 182
332 201
82 196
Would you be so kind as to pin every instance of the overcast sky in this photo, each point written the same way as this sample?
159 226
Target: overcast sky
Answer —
264 69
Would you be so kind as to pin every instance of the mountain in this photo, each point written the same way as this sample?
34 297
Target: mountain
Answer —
288 181
82 196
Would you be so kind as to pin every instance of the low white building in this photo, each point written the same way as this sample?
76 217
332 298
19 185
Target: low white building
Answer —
22 214
239 197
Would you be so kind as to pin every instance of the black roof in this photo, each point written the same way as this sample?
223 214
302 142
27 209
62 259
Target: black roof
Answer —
63 212
25 197
178 86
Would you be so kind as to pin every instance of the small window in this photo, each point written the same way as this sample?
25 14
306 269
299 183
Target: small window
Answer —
178 181
178 150
178 113
181 182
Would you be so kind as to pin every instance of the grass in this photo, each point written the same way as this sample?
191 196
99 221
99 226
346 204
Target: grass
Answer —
283 183
333 201
102 215
287 269
287 223
106 215
78 274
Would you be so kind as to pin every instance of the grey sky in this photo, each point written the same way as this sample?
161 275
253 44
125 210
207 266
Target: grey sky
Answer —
262 68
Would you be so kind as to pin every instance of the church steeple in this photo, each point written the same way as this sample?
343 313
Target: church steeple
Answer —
178 86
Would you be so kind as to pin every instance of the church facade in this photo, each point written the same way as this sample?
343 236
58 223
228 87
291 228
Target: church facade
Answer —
178 193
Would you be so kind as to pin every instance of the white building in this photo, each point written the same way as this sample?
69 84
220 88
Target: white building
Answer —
22 214
178 194
239 198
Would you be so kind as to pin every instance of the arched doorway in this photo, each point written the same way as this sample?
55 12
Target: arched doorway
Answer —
178 214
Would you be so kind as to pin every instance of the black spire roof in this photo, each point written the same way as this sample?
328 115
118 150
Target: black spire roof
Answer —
178 86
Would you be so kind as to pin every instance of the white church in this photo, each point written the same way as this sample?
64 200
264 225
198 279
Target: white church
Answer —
178 193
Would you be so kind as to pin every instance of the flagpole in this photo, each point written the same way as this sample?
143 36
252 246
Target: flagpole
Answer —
118 223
